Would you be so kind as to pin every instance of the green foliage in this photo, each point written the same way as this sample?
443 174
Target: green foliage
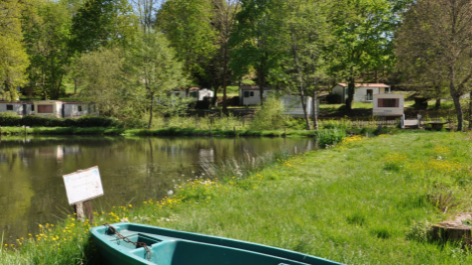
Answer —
102 23
186 23
271 116
364 32
256 40
334 98
48 40
152 61
107 85
420 231
13 57
328 138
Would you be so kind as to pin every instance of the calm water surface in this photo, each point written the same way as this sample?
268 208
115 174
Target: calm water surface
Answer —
132 170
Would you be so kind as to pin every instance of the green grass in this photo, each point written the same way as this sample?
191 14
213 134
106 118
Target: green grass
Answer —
365 201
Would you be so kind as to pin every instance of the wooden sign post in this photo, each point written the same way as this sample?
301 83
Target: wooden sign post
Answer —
81 187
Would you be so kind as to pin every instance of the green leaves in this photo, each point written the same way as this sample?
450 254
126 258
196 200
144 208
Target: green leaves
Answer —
187 25
102 22
13 57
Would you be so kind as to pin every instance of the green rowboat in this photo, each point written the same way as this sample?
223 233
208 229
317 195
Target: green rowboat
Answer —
128 243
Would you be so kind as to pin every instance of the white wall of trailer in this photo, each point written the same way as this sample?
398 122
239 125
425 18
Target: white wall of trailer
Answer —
250 97
20 107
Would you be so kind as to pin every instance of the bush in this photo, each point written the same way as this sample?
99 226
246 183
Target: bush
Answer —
330 137
36 121
421 103
270 117
9 118
333 98
97 121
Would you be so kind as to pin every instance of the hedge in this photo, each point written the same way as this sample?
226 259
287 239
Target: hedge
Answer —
35 121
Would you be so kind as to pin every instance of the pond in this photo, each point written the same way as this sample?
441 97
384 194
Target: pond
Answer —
132 170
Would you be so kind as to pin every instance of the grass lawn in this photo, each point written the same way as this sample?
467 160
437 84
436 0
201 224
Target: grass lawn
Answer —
365 201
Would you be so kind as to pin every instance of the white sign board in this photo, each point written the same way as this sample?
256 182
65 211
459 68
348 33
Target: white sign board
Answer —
83 185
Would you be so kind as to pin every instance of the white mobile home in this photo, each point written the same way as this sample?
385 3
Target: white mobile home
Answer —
293 106
362 93
388 104
22 108
195 93
61 109
75 109
251 95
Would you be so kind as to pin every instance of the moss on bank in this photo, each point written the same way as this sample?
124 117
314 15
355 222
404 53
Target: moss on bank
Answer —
365 201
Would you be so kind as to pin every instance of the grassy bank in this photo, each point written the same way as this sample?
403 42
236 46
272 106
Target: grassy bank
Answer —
172 131
365 201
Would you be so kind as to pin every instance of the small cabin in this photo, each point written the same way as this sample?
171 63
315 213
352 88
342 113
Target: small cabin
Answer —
251 95
195 93
22 108
388 104
293 106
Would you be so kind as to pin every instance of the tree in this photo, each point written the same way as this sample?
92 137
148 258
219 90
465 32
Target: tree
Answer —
106 84
47 42
187 25
154 64
441 30
13 56
363 32
223 20
256 40
101 23
307 30
146 12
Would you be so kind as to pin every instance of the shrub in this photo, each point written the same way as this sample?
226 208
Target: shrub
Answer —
36 121
420 231
333 98
270 117
421 103
9 118
330 137
97 121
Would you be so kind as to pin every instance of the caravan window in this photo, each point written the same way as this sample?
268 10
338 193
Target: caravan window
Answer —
45 109
248 94
32 107
388 102
80 108
9 107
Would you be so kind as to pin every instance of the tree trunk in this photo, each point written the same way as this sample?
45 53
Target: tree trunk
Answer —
151 111
75 86
438 103
457 105
300 81
260 81
470 110
315 110
215 97
225 69
350 94
315 102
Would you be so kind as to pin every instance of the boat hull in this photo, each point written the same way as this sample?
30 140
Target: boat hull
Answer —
172 247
